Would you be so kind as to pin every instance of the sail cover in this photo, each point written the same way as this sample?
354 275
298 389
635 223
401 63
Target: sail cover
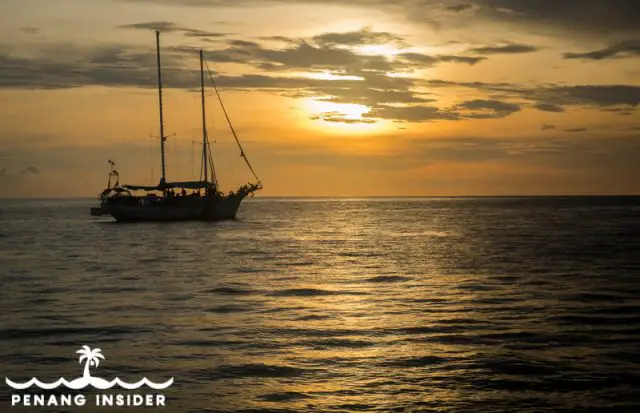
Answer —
169 185
190 184
140 188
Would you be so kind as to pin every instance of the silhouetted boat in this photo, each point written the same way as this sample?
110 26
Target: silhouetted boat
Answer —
161 203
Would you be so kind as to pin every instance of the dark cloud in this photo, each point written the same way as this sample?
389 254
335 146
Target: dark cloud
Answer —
597 95
490 87
601 96
420 59
163 26
546 126
31 170
169 27
574 130
307 56
296 57
358 37
411 113
624 111
303 55
471 60
626 48
472 109
279 39
388 97
590 17
117 66
486 109
460 7
107 66
511 48
548 107
337 117
30 30
243 43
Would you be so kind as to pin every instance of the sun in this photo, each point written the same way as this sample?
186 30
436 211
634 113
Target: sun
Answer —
346 110
342 117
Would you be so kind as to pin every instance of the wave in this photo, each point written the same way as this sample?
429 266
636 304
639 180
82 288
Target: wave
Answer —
94 382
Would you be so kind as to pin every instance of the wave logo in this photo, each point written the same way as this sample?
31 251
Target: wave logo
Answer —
91 358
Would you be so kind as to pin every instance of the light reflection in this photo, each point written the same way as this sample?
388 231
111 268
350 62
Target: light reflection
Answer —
331 76
342 116
377 50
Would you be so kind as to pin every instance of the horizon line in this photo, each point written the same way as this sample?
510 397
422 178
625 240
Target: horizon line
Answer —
366 196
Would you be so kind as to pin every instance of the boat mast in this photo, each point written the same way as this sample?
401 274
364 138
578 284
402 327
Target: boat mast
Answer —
205 161
162 137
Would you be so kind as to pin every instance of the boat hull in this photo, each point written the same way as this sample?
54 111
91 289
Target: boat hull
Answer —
99 211
197 209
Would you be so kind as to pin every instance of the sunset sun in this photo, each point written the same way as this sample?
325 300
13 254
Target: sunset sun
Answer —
344 116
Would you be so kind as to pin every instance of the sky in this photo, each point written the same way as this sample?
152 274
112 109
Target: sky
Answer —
329 98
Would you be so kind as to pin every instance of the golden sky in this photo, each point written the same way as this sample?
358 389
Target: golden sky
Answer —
329 98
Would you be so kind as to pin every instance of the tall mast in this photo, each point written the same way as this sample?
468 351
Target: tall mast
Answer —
162 137
205 161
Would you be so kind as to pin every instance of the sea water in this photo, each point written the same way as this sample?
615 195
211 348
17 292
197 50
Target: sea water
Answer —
333 305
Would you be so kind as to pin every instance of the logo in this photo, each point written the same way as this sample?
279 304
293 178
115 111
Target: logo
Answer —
91 358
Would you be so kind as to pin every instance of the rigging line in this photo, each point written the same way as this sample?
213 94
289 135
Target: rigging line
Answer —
211 149
214 178
193 164
229 122
150 159
202 164
175 150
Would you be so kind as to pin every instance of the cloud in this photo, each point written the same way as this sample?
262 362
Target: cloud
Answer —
596 95
486 109
170 27
587 16
624 111
574 130
279 39
625 48
243 43
548 107
419 59
600 96
15 176
511 48
546 126
355 38
410 113
472 109
337 117
360 78
612 17
106 66
296 57
460 7
30 30
31 170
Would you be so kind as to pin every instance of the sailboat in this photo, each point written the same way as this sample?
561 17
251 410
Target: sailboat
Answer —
169 201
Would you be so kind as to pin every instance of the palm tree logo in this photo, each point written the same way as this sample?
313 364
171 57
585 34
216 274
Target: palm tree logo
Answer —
91 358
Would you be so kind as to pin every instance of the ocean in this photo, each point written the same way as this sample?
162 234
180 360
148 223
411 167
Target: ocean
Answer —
527 304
